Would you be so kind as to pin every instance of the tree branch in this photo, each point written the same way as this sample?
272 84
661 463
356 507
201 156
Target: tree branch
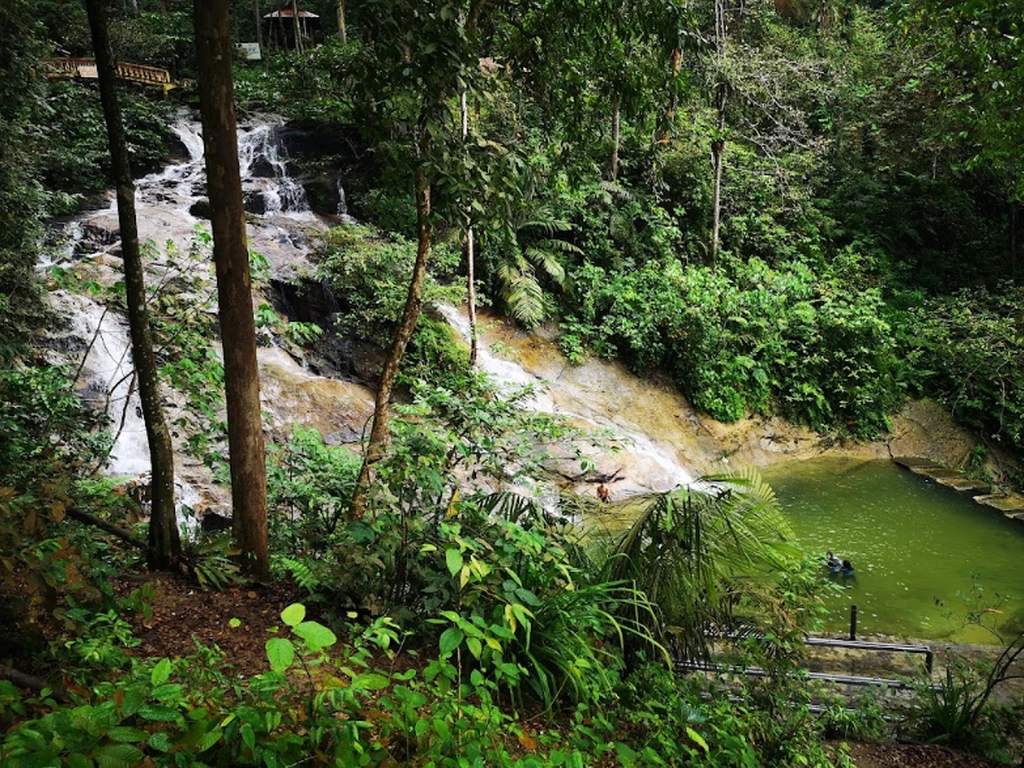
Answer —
23 680
116 530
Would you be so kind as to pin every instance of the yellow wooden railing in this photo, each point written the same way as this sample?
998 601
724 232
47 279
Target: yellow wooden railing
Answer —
137 73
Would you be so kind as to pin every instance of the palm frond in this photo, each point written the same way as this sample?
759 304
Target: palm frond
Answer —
512 507
688 548
547 261
522 294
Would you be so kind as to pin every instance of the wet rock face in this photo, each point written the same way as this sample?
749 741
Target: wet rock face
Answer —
318 157
255 202
312 301
200 209
322 193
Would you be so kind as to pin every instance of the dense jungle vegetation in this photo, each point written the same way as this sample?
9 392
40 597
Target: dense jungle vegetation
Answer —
809 208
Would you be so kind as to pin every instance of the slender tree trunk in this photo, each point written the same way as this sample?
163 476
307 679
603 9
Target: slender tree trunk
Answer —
164 542
718 142
470 255
413 306
342 32
615 139
234 289
717 151
295 26
673 102
1014 240
259 24
474 343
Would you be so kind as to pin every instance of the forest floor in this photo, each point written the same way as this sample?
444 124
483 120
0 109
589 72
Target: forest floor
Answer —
914 756
183 614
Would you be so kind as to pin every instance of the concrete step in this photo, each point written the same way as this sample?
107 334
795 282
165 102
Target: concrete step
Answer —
1010 504
965 484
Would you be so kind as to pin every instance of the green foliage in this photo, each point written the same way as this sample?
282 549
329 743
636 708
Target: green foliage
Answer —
688 721
369 270
756 340
184 326
77 159
971 354
22 198
309 490
691 551
207 558
957 711
101 638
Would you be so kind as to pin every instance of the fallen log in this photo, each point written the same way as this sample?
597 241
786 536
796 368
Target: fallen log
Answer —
23 680
116 530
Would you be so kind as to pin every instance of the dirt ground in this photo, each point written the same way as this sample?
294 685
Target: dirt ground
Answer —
183 614
914 756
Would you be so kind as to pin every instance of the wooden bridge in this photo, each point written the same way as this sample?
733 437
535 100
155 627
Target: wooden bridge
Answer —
136 73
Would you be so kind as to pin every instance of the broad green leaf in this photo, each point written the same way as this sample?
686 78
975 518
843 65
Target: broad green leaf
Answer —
78 760
159 713
209 740
160 741
128 735
118 756
293 614
134 698
697 739
370 681
627 754
453 558
161 672
474 646
451 639
280 653
316 635
248 735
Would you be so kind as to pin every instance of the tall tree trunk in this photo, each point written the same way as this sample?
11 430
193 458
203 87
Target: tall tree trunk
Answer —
470 254
342 32
413 306
474 343
717 151
234 289
1014 240
615 138
673 102
295 26
259 24
718 142
164 547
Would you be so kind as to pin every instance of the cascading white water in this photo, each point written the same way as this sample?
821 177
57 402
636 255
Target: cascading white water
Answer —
266 173
166 209
655 466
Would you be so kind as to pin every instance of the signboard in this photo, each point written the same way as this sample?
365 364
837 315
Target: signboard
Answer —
88 71
250 51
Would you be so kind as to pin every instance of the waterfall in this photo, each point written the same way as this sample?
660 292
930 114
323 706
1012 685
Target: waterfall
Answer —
595 402
167 209
266 173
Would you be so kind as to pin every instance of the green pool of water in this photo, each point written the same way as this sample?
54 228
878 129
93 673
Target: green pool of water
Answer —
914 545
